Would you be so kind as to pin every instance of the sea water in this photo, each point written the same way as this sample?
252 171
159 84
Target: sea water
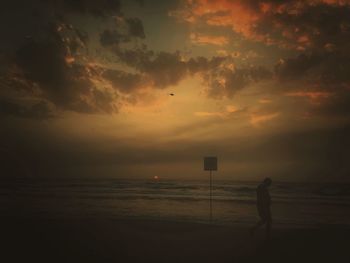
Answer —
293 204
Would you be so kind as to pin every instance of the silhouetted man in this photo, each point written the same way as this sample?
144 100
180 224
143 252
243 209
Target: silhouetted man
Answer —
263 204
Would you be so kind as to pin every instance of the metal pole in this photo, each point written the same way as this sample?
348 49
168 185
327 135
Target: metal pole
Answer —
211 212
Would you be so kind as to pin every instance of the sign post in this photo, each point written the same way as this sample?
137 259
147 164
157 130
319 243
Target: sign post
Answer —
210 164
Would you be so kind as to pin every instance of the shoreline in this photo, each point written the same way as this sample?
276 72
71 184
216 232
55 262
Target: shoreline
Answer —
171 220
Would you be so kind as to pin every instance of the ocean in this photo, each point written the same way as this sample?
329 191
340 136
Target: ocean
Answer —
293 204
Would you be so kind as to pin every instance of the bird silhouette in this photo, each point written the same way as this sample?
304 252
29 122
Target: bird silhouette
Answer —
171 94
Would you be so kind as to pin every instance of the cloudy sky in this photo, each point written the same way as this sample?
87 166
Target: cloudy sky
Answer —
263 84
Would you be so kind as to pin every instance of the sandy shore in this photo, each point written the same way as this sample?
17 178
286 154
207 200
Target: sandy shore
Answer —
91 240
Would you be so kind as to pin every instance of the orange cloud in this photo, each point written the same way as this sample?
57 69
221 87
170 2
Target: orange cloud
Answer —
311 95
222 114
265 101
248 17
206 39
336 2
69 59
222 13
257 119
209 114
315 97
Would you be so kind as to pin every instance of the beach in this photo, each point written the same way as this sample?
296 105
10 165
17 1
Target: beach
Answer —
106 240
168 221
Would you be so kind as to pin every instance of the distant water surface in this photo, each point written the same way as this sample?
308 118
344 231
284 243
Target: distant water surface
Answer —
293 204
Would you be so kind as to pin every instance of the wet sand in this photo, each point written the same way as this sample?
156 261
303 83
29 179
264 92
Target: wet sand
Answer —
92 240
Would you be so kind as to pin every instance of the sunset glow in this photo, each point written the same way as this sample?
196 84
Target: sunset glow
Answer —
161 84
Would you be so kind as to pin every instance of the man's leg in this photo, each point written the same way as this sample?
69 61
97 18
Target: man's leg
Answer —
260 223
268 228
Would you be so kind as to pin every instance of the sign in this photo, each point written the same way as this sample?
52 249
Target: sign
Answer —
210 163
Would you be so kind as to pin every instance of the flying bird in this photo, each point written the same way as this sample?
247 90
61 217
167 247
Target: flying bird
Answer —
171 94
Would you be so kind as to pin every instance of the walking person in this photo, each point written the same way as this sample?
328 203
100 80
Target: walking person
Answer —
263 203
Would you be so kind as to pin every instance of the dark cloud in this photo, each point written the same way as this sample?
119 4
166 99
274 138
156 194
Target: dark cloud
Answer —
310 26
135 27
317 73
315 27
48 59
296 68
38 110
320 31
123 81
325 68
63 7
225 82
126 30
112 37
97 8
136 57
202 64
50 64
163 68
337 105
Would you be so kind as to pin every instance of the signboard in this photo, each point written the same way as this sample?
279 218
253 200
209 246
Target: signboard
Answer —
210 163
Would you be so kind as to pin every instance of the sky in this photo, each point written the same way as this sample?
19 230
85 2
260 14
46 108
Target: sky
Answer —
264 85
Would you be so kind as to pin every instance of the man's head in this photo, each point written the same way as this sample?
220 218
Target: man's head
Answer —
267 181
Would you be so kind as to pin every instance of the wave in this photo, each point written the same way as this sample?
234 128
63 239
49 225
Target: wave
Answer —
180 191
